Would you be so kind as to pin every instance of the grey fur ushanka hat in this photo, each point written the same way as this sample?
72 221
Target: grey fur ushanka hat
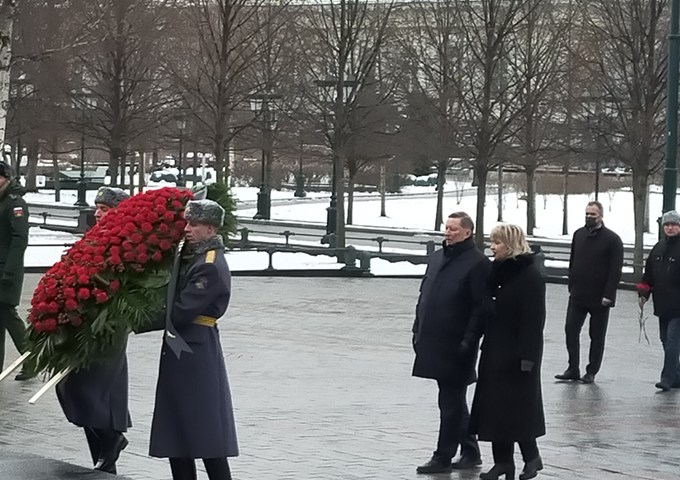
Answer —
670 216
204 211
110 196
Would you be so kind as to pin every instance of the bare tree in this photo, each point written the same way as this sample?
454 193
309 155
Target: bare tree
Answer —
7 15
629 66
487 95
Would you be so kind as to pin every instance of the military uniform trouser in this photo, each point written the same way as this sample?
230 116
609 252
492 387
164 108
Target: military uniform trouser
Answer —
13 324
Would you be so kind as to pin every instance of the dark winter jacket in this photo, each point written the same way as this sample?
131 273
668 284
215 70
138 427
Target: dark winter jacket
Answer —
508 402
193 416
594 266
662 274
13 242
449 307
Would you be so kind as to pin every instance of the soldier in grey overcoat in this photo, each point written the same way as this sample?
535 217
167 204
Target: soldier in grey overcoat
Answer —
96 398
13 242
193 416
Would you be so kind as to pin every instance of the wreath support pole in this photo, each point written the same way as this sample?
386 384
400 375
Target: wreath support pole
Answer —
17 363
53 381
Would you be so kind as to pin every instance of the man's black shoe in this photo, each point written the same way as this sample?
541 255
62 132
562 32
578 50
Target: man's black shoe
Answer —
588 378
663 386
465 463
107 463
435 465
568 375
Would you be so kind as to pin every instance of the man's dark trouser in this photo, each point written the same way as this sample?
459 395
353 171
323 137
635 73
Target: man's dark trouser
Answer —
453 423
576 317
185 468
12 323
669 331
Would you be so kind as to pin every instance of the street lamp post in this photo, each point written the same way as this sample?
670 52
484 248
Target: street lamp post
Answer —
181 124
300 179
82 181
261 105
670 177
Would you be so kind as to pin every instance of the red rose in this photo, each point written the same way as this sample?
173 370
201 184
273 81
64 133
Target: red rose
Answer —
114 285
161 210
114 260
76 321
86 258
147 227
93 270
152 239
165 244
157 257
141 248
127 245
140 218
98 259
176 204
53 307
70 304
168 216
129 256
69 293
115 240
83 279
142 258
42 307
70 280
163 228
52 292
151 217
101 297
115 251
83 293
136 238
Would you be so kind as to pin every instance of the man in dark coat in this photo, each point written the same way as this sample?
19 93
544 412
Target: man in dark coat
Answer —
594 273
193 417
662 275
96 398
13 242
448 310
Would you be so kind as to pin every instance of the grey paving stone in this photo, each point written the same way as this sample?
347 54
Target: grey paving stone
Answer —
320 374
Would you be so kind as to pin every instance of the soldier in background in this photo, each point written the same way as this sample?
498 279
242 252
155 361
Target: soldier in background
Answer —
96 398
193 416
13 242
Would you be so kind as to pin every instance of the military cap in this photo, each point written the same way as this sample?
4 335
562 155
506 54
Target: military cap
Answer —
204 211
110 196
670 216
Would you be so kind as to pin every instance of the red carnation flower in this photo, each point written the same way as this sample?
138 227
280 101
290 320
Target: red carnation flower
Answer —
70 304
83 293
147 227
176 204
175 234
140 218
160 209
69 293
114 260
152 239
165 244
129 256
53 307
180 224
98 259
114 285
163 228
49 324
41 307
51 292
83 279
142 258
136 238
127 245
101 297
141 248
151 217
643 287
115 251
168 216
157 256
115 241
93 270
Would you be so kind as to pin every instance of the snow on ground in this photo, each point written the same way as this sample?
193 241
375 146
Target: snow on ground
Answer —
414 209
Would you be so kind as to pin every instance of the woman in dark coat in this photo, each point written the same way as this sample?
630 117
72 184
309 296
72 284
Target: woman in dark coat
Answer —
508 403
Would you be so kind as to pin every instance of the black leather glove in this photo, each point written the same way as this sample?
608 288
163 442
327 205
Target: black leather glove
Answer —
527 365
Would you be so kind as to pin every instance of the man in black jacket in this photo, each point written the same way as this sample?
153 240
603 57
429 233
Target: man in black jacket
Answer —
594 273
13 242
662 275
448 311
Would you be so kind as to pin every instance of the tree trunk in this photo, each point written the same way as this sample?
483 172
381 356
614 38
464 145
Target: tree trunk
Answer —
382 191
7 14
131 174
500 193
482 171
32 167
55 170
565 201
350 199
340 200
639 200
441 181
530 171
142 171
218 151
646 225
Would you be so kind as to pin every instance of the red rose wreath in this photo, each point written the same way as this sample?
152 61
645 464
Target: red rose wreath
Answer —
111 282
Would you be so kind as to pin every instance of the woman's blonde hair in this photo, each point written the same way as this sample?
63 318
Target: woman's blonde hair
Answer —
513 238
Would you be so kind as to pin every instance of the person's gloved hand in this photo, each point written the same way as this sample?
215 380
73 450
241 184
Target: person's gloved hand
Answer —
527 365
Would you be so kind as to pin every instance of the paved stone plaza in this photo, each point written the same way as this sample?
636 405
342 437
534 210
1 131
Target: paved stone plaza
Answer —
320 374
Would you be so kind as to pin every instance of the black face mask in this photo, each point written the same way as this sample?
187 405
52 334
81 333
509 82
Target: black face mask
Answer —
591 222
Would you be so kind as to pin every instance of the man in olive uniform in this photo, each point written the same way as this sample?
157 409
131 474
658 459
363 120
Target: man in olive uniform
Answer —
96 398
13 242
193 416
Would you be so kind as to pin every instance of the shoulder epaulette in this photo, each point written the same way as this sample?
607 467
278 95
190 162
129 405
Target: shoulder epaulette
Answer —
210 256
